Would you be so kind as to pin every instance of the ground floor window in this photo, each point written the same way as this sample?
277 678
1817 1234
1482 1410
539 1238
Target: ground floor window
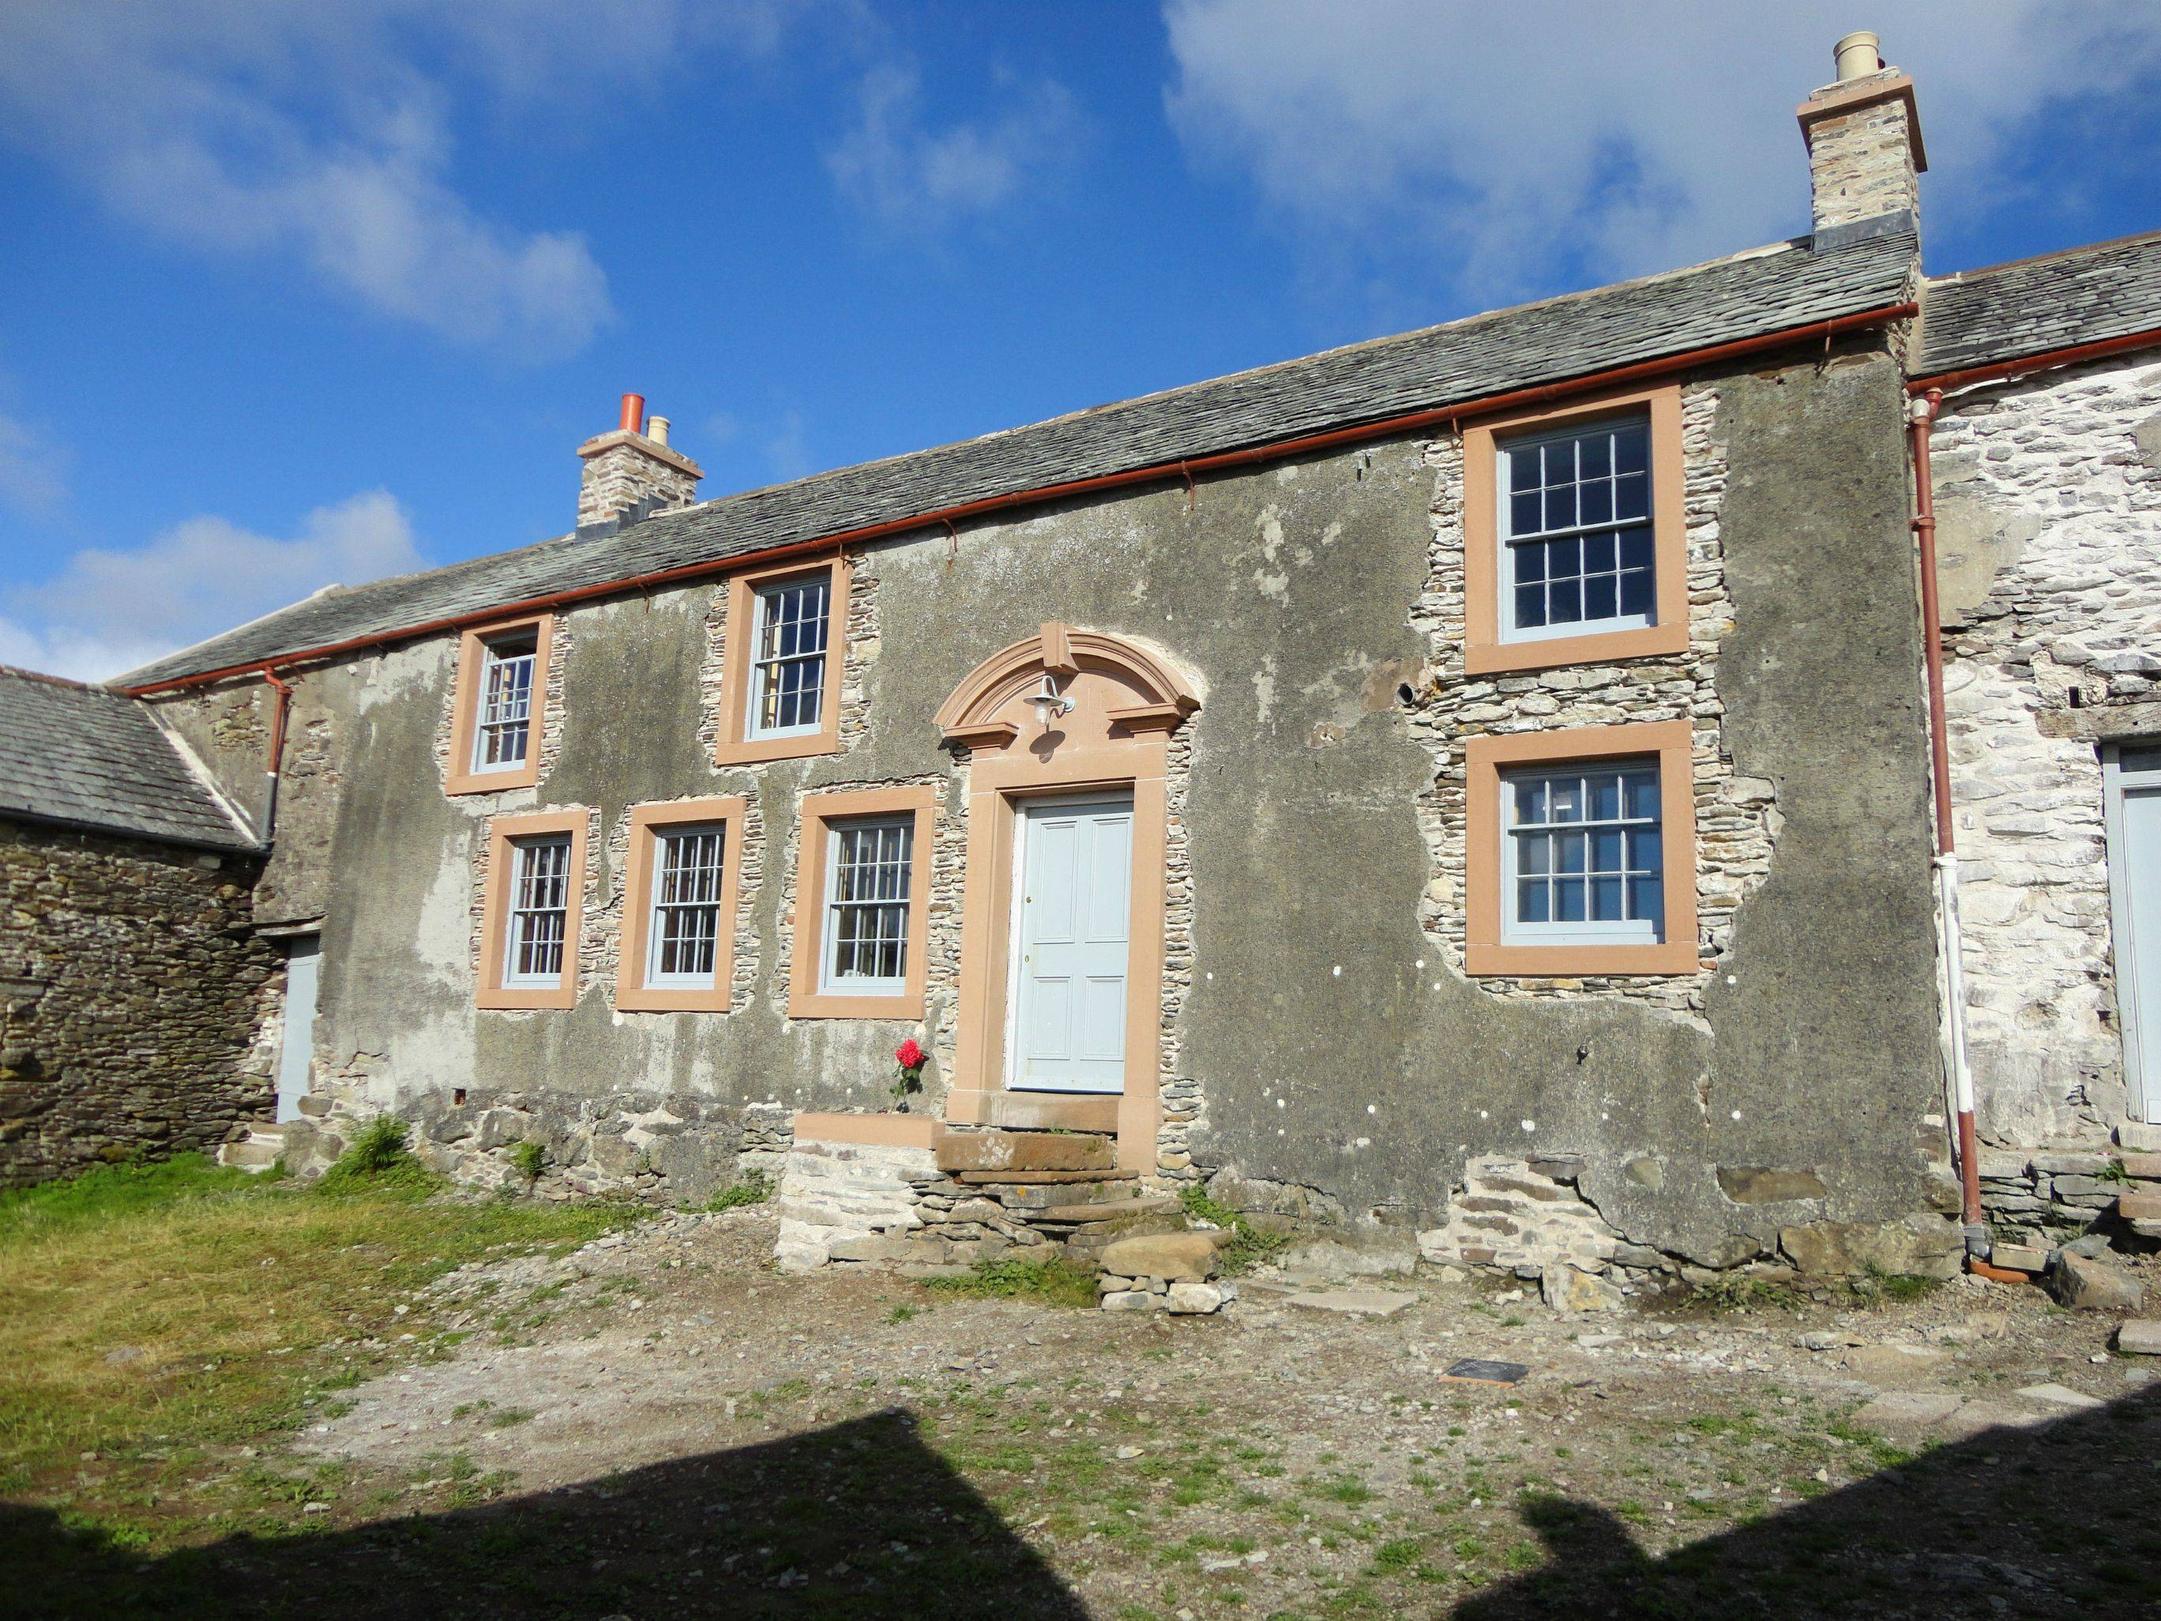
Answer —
1581 851
679 906
531 910
862 904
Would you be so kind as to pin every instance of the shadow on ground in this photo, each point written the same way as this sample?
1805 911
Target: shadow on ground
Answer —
2062 1519
859 1519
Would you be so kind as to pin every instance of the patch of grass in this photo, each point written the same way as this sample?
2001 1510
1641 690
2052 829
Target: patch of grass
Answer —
1053 1282
529 1159
378 1158
903 1313
511 1417
156 1310
1734 1291
1877 1285
755 1188
1249 1245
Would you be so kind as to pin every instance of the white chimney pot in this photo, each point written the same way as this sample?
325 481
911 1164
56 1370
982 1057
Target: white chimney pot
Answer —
1858 55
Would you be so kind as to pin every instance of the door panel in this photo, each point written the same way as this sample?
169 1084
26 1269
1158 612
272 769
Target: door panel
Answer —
1073 914
2140 904
296 1050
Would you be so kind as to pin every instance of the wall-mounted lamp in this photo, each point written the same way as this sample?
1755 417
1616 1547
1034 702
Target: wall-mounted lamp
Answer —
1049 703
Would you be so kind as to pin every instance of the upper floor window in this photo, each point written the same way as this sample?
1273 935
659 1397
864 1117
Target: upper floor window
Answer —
787 683
1576 544
1584 862
501 695
1574 548
504 732
780 681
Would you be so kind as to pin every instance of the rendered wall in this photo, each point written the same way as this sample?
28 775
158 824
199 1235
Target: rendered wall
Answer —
1323 1049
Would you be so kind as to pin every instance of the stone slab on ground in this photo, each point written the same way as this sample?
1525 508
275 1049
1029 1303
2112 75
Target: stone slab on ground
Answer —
2087 1283
2142 1139
1907 1409
1354 1302
2059 1396
1180 1257
2141 1336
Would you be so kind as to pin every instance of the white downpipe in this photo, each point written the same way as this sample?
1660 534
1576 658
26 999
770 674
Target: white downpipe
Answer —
1954 983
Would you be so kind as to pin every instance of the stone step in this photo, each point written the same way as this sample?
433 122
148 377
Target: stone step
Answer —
1025 1179
2142 1167
257 1153
1028 1200
1005 1150
1103 1210
1050 1111
2141 1206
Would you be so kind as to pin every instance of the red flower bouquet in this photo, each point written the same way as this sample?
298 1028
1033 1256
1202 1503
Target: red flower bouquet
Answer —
911 1057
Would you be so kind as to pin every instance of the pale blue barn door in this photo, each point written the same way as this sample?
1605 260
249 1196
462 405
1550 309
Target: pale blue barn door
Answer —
1073 909
303 956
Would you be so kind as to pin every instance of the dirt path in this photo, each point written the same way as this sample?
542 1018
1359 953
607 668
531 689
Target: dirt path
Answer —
665 1426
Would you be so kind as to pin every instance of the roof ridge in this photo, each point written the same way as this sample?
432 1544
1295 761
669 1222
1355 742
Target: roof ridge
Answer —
2124 241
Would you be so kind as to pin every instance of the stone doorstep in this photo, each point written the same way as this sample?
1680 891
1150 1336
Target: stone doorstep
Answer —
1017 1179
2142 1167
1007 1150
2141 1206
1105 1210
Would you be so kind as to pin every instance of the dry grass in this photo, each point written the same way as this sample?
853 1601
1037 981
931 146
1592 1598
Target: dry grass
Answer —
177 1306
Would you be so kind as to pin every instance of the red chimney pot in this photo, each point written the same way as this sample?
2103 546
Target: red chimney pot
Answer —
633 413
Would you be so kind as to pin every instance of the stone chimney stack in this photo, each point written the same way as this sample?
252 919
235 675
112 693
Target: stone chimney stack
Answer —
1864 139
631 469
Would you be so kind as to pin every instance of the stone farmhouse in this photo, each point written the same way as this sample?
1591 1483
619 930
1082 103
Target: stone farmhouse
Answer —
1663 777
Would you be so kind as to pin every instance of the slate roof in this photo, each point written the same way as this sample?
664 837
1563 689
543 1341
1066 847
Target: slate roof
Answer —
2006 312
1785 286
88 757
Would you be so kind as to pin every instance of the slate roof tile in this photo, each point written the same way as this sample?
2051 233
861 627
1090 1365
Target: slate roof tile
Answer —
89 757
2007 312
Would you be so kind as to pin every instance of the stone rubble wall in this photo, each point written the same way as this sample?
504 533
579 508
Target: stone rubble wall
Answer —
664 1148
885 1206
1737 820
1527 1216
132 994
1182 1105
2048 495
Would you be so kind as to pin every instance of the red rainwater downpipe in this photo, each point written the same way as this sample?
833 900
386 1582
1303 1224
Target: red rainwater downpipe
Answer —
1921 419
274 765
1165 472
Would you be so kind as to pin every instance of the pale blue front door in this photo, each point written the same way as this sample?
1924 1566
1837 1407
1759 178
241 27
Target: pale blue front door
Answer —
1073 907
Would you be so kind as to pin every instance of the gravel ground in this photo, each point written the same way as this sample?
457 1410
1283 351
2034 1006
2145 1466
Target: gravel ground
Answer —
662 1425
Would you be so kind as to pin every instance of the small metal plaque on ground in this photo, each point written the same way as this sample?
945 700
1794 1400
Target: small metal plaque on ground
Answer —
1478 1371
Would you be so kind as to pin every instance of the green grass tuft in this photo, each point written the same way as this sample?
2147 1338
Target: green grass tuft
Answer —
755 1188
1249 1245
1053 1282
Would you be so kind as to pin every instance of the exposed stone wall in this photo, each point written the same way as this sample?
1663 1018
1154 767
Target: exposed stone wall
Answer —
131 996
1736 818
1182 1101
1860 163
2049 512
628 468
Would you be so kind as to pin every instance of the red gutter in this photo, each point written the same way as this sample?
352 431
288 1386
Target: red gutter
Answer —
2003 370
274 765
1161 472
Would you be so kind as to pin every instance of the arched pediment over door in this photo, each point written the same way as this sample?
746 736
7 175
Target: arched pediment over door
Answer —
1118 688
1065 713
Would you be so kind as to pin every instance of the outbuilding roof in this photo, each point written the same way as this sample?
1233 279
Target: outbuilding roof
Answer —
88 757
2032 306
1787 286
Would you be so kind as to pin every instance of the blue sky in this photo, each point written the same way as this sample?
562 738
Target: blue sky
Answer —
301 294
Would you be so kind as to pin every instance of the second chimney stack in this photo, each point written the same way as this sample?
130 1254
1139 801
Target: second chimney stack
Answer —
634 467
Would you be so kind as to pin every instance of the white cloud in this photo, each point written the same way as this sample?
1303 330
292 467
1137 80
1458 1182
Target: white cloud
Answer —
33 469
109 610
1548 142
914 178
320 131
